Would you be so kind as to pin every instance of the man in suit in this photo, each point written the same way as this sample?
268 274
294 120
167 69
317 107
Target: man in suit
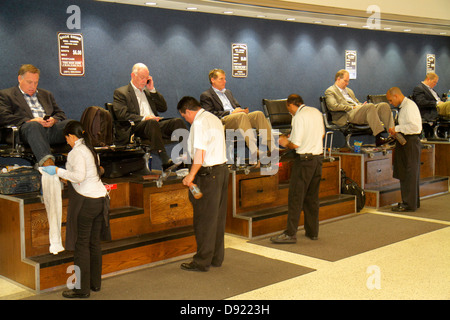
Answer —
341 98
428 101
221 102
140 102
34 110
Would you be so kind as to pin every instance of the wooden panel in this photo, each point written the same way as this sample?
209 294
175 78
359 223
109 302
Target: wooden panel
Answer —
329 184
442 156
167 207
257 191
427 163
379 172
40 228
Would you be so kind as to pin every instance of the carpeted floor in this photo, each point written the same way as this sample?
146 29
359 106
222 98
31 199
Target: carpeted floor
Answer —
241 272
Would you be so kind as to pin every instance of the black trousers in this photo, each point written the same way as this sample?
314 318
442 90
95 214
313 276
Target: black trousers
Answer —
88 252
210 213
407 170
304 195
157 131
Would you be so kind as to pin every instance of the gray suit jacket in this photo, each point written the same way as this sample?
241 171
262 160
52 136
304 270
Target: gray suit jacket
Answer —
338 105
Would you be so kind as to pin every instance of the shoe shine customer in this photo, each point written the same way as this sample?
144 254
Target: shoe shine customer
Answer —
87 213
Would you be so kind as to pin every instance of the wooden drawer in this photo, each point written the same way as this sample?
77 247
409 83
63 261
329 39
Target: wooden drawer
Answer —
166 207
329 184
379 171
258 191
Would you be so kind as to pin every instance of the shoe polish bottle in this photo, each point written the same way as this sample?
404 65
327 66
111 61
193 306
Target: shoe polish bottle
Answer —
195 190
400 138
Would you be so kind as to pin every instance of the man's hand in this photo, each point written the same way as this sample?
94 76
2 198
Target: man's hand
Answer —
240 110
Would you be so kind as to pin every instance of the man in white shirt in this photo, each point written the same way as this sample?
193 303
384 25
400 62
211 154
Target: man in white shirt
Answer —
209 171
407 156
140 102
307 140
341 98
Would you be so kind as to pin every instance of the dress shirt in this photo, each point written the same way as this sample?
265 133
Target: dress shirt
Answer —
36 108
207 134
82 172
347 96
225 102
307 130
409 119
144 107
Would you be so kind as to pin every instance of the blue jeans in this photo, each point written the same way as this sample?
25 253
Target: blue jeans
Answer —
40 138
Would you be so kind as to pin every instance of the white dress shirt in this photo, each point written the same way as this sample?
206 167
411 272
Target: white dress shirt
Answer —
82 172
207 134
409 119
144 107
307 130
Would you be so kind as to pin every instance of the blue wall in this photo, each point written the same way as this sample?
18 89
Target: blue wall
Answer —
181 47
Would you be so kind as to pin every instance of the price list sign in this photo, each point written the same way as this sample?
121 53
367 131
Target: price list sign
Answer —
71 54
239 63
351 62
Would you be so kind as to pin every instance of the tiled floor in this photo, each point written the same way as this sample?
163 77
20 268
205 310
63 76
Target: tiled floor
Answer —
416 268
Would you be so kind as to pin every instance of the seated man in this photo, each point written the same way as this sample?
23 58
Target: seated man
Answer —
221 102
140 102
34 110
428 101
341 98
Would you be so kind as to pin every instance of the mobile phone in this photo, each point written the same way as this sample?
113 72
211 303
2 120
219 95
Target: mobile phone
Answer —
46 117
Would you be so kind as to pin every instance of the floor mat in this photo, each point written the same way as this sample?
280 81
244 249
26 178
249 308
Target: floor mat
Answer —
241 272
354 235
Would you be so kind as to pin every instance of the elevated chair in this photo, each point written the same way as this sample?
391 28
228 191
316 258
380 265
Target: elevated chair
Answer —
348 130
278 115
11 146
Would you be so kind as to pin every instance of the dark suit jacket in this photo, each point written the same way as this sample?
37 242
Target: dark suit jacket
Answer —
14 110
126 107
210 101
425 100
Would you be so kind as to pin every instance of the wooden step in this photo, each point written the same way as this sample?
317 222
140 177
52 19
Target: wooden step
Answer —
261 222
389 195
119 255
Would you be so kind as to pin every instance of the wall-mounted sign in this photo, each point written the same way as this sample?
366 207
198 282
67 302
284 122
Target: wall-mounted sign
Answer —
351 62
239 62
71 54
431 63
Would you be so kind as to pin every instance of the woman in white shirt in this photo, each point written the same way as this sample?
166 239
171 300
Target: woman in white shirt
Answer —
87 213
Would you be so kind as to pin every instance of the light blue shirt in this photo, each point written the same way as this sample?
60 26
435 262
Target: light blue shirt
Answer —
225 102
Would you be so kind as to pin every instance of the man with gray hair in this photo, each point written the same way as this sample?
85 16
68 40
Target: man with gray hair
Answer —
428 101
140 102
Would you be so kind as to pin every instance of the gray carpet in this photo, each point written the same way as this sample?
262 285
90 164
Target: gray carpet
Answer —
354 235
241 272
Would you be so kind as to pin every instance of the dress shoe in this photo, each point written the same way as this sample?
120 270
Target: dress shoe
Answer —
192 266
379 140
402 208
284 238
95 289
72 294
312 237
167 165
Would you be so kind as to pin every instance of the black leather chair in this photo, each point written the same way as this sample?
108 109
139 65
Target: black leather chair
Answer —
278 115
348 130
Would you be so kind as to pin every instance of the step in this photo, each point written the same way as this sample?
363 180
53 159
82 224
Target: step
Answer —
258 223
389 195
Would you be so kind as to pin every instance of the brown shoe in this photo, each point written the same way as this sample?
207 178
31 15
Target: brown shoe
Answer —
48 162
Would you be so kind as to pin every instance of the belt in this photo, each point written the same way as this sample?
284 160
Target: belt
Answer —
306 156
204 171
412 135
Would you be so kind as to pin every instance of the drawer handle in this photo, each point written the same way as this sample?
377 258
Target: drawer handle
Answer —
174 205
378 170
259 191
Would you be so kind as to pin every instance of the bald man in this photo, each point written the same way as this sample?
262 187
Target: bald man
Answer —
407 156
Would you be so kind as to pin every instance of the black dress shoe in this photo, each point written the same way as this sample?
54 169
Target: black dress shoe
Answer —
192 266
72 294
312 237
379 140
402 208
167 165
95 289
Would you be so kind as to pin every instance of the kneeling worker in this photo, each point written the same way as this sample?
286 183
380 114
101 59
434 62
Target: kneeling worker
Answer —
307 140
209 171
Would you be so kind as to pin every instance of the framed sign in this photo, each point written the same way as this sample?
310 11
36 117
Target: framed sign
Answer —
71 54
431 63
239 62
351 62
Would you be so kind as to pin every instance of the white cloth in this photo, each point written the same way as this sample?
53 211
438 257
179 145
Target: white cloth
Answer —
51 191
